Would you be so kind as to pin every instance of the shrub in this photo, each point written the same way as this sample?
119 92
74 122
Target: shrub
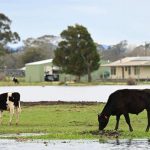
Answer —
131 81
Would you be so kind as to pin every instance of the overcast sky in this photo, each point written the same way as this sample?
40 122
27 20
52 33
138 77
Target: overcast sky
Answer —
108 21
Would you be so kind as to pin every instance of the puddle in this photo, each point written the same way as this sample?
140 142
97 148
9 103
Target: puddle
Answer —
20 135
143 144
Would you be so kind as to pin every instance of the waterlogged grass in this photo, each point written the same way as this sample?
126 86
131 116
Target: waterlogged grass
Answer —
72 121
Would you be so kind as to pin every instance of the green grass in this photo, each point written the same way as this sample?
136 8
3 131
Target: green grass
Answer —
8 82
72 121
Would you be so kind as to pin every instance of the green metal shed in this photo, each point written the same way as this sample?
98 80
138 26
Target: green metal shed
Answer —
35 71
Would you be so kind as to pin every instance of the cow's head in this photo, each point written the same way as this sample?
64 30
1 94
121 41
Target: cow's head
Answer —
103 121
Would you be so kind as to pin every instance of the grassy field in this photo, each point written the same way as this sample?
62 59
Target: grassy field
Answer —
72 121
23 83
8 82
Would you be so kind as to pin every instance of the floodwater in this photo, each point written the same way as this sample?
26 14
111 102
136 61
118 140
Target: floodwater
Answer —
143 144
67 93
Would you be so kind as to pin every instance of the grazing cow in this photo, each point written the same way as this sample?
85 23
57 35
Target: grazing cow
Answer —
10 102
123 102
15 80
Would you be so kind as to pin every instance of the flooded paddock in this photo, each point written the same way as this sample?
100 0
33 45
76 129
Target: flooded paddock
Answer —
143 144
67 93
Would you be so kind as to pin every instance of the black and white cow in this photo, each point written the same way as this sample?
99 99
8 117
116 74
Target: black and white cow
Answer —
10 101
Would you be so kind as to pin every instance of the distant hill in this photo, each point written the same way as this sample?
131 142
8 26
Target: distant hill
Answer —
50 40
46 39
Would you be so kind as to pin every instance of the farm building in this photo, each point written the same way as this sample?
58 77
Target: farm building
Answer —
40 71
130 67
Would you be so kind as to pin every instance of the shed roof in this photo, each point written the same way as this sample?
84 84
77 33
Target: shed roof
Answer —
40 62
130 61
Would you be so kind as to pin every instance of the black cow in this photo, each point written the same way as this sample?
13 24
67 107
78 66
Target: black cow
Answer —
15 80
10 101
123 102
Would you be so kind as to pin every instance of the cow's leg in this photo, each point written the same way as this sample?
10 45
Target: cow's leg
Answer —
148 117
17 115
11 114
128 121
1 117
117 122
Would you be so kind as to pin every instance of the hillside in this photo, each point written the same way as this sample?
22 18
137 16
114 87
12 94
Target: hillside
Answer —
46 39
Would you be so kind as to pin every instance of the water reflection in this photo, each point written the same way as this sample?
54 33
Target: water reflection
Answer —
119 142
149 141
129 144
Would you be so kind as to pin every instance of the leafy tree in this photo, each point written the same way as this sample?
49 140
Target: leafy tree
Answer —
141 50
76 53
6 35
116 51
147 46
33 54
11 60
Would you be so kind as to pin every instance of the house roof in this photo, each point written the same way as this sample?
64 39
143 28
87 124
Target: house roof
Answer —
130 61
40 62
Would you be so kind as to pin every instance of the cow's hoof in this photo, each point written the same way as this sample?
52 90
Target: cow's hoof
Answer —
101 132
131 130
147 130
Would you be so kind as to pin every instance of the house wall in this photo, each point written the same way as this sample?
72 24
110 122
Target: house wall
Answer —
144 73
118 74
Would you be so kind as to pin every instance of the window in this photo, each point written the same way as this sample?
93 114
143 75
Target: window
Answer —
129 70
113 70
136 70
